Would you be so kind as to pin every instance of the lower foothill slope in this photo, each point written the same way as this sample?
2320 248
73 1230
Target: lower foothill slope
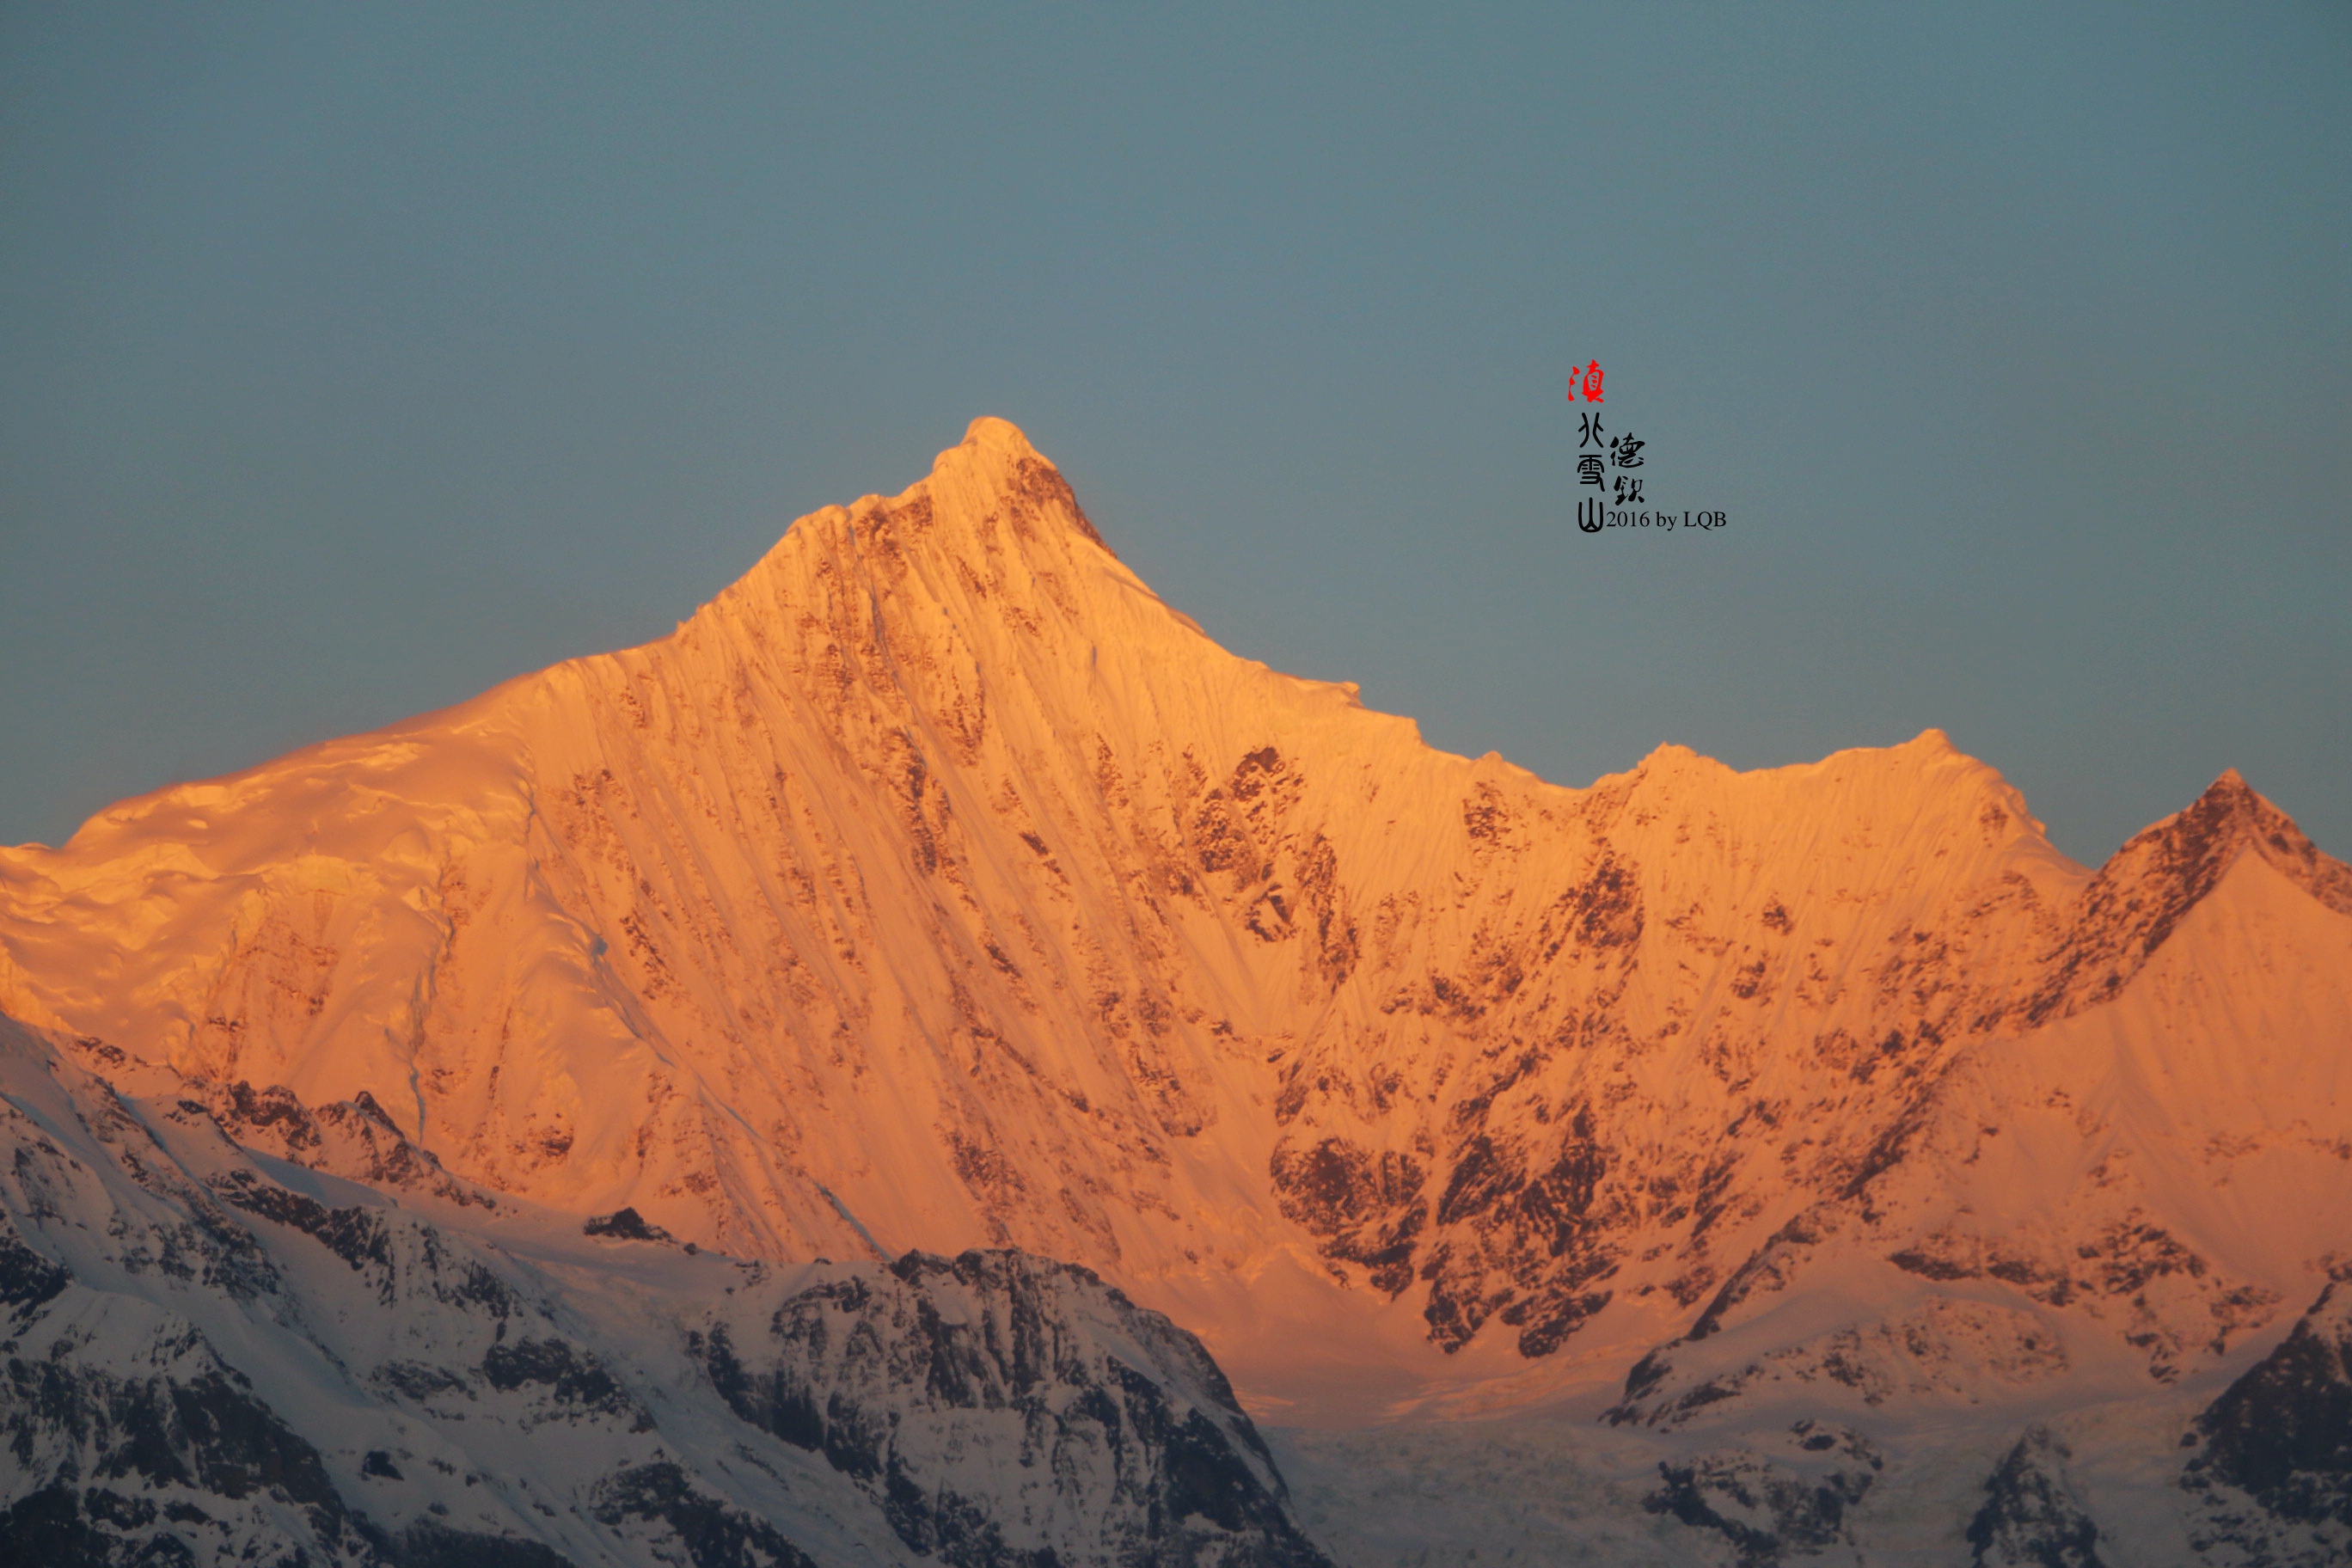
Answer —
214 1355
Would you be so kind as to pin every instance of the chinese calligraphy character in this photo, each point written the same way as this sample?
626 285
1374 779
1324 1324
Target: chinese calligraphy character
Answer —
1628 450
1588 471
1588 431
1629 491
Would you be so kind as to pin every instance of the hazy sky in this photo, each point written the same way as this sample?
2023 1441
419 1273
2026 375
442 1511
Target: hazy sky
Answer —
353 359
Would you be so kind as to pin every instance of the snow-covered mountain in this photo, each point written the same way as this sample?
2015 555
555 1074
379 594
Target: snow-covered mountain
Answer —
215 1354
937 887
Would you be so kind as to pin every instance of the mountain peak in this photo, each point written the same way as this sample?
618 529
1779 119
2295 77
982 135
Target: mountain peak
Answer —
990 434
2229 815
2233 817
2191 848
994 465
2148 887
991 494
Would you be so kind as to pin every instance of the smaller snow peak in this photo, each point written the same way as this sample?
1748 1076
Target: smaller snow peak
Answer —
2231 815
1932 767
2148 887
2232 787
1675 761
2226 815
1672 756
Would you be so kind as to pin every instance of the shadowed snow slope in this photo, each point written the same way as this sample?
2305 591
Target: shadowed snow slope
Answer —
209 1355
937 886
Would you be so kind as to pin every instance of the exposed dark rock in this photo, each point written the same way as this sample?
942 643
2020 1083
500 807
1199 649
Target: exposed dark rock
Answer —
419 1381
713 1534
429 1544
1766 1508
569 1375
625 1225
194 1428
1640 1381
357 1236
2031 1517
2275 1466
58 1526
1365 1204
208 1433
28 1279
354 1138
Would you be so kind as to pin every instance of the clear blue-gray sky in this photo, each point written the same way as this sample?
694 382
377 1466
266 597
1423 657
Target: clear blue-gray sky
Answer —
354 358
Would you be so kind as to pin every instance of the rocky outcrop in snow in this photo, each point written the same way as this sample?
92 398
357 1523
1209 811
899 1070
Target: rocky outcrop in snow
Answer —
1792 1503
2033 1516
2275 1472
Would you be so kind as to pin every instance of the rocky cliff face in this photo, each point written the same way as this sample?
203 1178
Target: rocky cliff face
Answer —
937 886
2273 1478
999 1409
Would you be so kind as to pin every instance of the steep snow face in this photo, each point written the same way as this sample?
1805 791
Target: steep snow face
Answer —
209 1355
936 885
833 900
